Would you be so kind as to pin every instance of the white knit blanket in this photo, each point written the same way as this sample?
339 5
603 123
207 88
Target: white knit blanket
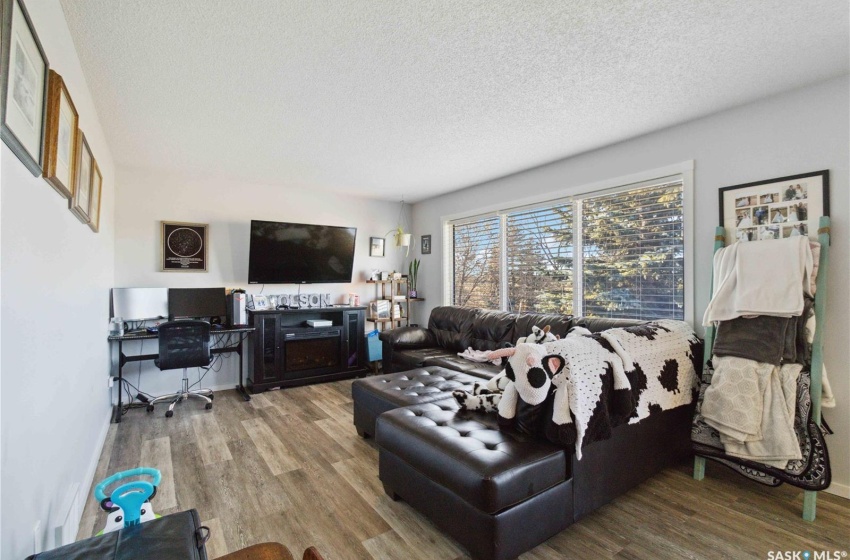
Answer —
617 376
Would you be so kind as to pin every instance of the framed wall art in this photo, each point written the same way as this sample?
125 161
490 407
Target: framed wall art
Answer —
377 246
96 186
60 138
184 247
426 244
80 203
23 86
775 208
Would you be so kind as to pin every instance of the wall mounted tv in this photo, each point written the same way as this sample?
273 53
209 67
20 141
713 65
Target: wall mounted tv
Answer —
284 253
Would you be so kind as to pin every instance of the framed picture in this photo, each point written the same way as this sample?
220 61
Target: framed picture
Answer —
60 138
260 302
23 87
376 246
81 200
96 185
184 247
775 208
426 244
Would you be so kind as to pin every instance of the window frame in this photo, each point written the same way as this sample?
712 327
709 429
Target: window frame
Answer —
683 172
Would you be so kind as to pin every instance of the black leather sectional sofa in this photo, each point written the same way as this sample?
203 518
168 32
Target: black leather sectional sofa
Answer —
454 329
497 492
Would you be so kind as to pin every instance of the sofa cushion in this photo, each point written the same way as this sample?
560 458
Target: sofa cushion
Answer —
599 324
485 371
452 327
466 453
416 358
559 324
492 329
454 362
373 396
408 337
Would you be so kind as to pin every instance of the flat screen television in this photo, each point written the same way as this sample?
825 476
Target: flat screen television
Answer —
284 253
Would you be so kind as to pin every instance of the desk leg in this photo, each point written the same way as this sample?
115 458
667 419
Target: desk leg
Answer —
116 411
241 388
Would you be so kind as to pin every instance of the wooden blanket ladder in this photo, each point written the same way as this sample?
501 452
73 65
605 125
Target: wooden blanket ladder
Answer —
809 496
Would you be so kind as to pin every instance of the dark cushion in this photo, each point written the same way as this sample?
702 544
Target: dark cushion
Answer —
559 324
415 386
408 337
453 361
452 327
417 357
492 329
485 371
373 396
466 453
599 324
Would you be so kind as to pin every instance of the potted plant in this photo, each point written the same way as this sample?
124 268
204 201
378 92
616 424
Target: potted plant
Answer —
412 274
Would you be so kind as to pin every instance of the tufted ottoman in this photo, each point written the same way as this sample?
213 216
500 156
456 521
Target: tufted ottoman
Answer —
498 493
373 396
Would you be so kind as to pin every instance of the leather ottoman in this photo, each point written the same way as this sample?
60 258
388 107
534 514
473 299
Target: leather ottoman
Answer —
498 493
375 395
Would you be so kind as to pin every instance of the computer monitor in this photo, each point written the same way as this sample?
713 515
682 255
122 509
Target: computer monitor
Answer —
139 304
202 303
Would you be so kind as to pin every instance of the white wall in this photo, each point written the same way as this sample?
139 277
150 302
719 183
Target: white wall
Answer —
56 274
801 131
146 197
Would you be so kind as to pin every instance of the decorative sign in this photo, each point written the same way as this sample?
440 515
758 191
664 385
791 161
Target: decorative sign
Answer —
304 300
184 247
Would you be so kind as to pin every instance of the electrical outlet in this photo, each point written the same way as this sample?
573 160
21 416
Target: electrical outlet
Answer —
36 538
111 382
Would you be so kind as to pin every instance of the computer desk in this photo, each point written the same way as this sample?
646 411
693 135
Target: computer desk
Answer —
243 332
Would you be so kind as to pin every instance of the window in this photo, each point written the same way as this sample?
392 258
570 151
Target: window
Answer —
611 254
476 263
540 259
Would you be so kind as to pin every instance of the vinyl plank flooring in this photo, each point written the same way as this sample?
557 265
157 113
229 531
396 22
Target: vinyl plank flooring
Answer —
289 467
211 441
156 453
271 449
414 529
260 400
390 546
215 546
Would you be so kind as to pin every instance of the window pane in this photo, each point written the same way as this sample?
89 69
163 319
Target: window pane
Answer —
476 263
633 248
540 260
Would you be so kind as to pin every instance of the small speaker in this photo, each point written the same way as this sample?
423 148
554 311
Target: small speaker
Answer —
237 315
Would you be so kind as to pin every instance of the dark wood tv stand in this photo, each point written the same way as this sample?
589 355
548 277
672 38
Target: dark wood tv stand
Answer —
286 352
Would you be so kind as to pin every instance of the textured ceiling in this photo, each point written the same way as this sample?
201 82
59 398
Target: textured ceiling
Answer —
417 98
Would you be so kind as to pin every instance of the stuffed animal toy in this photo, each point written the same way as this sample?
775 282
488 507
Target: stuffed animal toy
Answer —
530 371
538 336
488 397
484 397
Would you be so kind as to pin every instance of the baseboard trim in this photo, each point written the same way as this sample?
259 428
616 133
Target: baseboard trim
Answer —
841 490
89 477
224 387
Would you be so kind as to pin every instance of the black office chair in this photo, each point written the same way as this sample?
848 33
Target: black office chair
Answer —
184 344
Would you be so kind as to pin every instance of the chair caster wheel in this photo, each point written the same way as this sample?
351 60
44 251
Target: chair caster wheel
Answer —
169 413
208 406
149 408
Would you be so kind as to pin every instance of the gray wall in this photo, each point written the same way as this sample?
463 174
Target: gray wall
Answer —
804 130
146 197
56 277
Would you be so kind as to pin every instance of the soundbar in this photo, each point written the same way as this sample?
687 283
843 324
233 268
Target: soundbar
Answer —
313 333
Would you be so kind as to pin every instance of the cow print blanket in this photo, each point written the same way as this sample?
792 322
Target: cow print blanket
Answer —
574 391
